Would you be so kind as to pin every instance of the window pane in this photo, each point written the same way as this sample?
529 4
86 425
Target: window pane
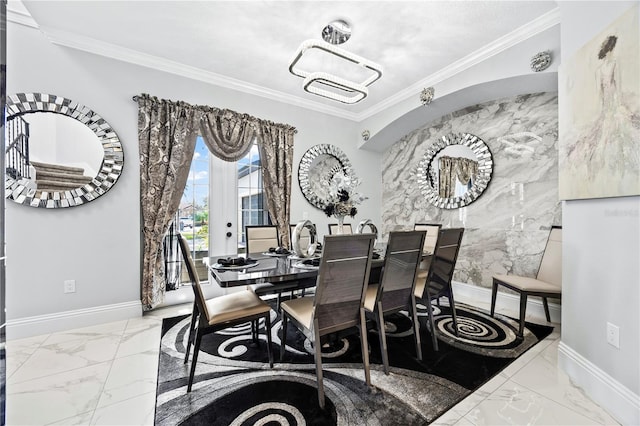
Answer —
193 212
250 196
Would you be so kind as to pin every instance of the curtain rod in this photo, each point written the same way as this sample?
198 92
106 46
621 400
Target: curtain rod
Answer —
135 99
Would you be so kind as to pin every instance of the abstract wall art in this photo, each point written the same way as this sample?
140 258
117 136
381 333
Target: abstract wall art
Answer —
599 102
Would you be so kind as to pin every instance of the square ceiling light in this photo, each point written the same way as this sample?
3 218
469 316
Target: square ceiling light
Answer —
330 85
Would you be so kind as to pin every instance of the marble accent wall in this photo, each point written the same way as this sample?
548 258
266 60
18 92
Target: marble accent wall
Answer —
507 227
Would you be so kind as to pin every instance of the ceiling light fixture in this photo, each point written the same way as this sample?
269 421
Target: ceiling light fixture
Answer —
336 32
327 84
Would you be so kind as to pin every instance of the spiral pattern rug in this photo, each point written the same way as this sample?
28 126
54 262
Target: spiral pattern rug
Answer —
235 386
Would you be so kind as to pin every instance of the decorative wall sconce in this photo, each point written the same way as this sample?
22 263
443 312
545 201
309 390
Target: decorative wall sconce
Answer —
426 96
366 135
541 61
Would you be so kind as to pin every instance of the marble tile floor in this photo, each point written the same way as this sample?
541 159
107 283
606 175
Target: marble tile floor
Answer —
106 375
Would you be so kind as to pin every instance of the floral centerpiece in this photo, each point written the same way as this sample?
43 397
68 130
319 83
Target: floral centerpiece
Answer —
343 197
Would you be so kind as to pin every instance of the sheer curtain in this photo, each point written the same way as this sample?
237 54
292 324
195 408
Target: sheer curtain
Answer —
167 133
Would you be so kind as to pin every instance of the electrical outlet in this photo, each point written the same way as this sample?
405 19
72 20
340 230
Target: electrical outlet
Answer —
70 286
613 335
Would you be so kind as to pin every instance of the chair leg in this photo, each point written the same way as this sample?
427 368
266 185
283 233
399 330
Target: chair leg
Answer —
523 308
318 359
545 303
432 324
192 326
196 349
267 323
453 311
283 340
379 318
494 294
416 328
365 347
254 331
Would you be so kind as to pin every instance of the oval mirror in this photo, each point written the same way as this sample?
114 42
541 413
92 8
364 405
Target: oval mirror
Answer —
317 167
455 170
59 153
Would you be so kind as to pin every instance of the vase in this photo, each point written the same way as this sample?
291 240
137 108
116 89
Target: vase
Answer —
340 224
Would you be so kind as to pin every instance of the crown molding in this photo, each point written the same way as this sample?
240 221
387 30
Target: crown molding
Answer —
120 53
526 31
19 17
113 51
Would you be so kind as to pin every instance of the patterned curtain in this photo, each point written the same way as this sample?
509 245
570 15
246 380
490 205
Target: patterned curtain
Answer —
167 133
466 170
445 167
275 143
455 168
228 134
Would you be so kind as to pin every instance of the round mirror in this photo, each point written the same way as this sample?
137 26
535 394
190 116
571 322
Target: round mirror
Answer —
455 170
59 153
317 166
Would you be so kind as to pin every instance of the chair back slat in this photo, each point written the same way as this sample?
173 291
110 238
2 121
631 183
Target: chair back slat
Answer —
342 275
444 260
550 270
261 238
433 230
401 261
193 277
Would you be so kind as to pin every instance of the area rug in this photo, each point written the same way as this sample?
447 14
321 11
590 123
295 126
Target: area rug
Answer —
235 386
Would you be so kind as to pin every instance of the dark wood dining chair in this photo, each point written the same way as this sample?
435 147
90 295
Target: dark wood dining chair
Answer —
346 228
547 283
437 283
395 292
338 301
220 312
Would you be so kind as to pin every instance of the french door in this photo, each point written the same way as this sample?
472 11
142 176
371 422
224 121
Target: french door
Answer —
236 200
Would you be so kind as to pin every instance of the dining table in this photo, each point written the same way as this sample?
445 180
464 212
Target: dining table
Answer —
274 269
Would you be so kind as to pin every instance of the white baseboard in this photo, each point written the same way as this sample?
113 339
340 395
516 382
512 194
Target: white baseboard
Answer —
68 320
469 293
617 399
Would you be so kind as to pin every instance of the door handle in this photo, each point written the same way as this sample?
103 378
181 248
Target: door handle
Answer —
229 234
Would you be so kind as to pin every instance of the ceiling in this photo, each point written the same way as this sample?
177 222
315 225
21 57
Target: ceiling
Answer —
248 45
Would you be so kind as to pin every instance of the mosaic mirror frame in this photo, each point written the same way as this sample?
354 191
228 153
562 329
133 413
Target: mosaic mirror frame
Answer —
485 169
24 191
314 174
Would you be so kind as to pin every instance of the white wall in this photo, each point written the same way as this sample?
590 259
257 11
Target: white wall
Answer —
98 244
601 272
